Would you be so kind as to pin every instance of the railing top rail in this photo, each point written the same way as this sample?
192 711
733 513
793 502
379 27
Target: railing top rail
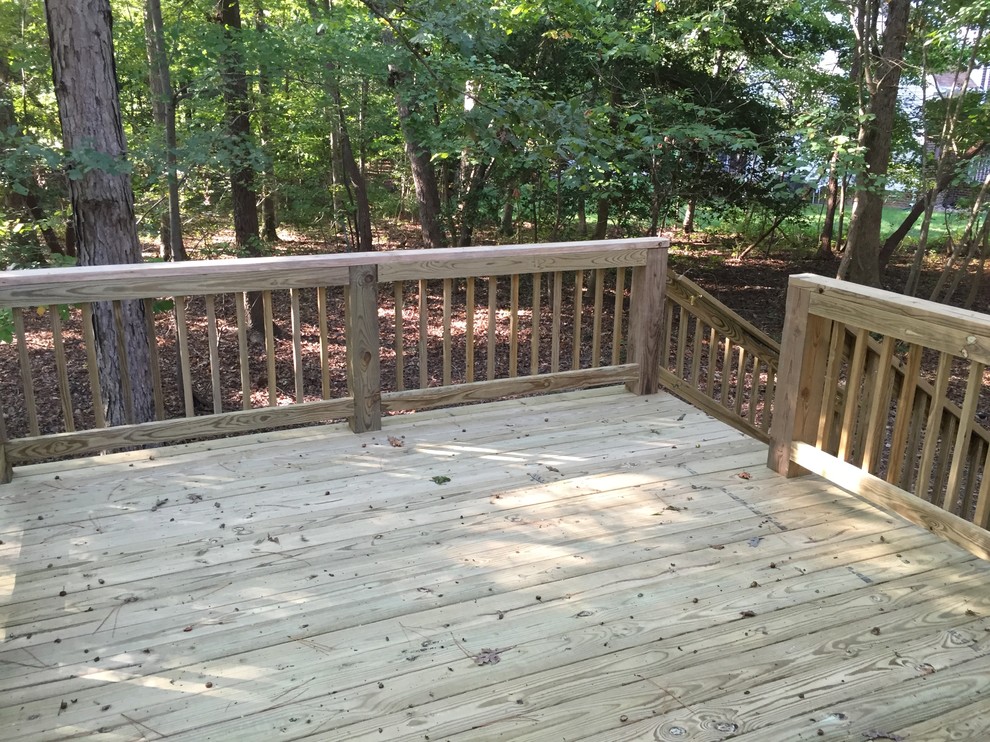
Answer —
150 280
960 332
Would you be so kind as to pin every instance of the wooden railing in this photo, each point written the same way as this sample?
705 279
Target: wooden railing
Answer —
855 408
361 330
717 360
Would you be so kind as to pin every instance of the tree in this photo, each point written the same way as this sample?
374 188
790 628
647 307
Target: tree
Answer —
84 73
880 77
163 105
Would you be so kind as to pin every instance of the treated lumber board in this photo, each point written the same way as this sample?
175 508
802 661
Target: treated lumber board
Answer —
480 391
691 394
969 722
409 686
885 495
960 332
163 431
364 353
825 559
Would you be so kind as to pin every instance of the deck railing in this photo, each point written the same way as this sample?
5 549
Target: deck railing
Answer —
717 360
854 407
500 320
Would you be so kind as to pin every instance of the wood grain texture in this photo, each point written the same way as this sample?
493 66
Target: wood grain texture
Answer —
646 329
26 450
594 567
960 332
883 494
364 355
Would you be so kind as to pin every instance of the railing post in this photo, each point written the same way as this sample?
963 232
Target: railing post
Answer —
798 401
363 351
649 286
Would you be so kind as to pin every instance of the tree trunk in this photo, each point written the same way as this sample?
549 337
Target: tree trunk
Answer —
238 125
688 224
163 109
269 217
601 226
861 261
424 176
507 228
831 206
81 40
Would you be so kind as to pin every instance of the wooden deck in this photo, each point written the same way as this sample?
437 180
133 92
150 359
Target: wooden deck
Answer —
599 566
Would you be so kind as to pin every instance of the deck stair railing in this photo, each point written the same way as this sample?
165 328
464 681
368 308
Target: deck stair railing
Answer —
497 321
852 404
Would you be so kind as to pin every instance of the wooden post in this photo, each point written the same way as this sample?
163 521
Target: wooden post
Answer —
646 312
364 355
798 402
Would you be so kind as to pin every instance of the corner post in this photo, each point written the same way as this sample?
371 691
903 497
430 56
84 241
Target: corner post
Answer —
363 351
649 289
803 359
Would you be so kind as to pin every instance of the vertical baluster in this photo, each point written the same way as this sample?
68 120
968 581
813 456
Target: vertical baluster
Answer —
682 328
578 310
723 397
854 379
830 391
534 336
514 326
619 309
696 349
740 378
766 417
62 370
214 343
974 385
266 300
712 360
933 425
596 325
182 340
754 391
398 293
904 414
297 358
153 358
126 389
30 407
492 324
469 330
424 332
243 351
558 300
982 515
321 310
447 291
89 339
879 407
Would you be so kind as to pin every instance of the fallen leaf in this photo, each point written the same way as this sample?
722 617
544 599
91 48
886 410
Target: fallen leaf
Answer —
718 546
395 442
440 479
747 614
876 734
744 475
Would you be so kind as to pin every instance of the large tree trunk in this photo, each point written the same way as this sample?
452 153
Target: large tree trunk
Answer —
238 125
861 261
269 216
424 176
601 226
80 35
163 109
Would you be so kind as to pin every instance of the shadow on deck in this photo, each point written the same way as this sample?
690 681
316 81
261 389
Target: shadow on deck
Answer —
590 565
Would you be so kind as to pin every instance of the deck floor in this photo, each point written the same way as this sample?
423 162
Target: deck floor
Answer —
599 566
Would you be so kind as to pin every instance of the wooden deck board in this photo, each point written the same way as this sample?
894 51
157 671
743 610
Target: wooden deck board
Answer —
594 551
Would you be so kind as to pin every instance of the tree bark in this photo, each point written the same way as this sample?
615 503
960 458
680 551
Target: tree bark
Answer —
831 206
163 109
237 123
269 215
424 176
81 41
861 261
601 226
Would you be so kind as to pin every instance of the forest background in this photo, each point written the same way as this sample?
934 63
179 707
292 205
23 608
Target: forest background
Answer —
851 133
